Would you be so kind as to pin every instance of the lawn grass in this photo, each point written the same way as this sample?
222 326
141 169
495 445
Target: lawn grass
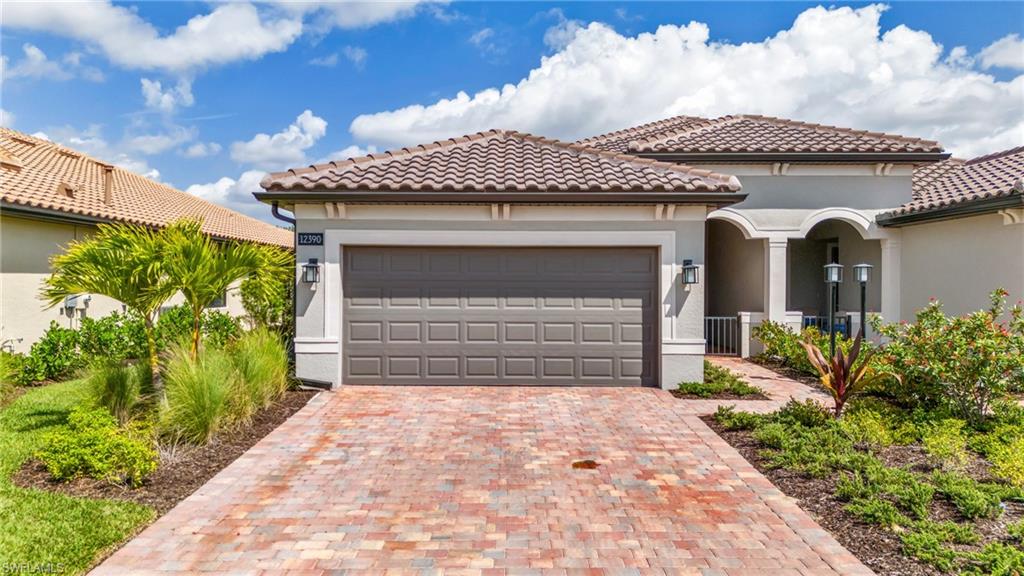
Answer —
718 381
44 529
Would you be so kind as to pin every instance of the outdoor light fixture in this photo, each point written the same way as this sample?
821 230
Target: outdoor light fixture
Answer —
862 273
689 272
311 271
834 273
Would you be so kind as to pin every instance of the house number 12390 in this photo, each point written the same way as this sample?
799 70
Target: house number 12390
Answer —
311 239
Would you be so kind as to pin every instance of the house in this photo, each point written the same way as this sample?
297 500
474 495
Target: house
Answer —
51 195
506 258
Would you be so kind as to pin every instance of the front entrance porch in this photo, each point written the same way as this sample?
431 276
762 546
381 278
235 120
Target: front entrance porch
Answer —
760 273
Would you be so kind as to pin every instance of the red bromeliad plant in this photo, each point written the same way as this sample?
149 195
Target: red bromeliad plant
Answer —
843 376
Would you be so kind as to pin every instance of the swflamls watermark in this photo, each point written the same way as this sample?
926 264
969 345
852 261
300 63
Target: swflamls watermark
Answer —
32 568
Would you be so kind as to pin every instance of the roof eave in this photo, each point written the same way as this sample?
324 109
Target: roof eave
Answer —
958 210
797 157
288 197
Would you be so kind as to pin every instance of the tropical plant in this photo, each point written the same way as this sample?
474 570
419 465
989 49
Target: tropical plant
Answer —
261 360
119 387
842 376
202 268
196 394
120 261
174 326
270 305
115 336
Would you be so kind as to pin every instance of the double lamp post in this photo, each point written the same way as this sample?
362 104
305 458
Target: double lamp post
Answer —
833 278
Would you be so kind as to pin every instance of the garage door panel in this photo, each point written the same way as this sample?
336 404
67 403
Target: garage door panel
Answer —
499 316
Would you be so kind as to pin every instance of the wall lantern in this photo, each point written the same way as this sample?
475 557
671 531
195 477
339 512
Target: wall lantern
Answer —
834 273
862 273
311 271
689 272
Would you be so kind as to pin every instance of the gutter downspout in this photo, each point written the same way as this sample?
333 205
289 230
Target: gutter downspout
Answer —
275 209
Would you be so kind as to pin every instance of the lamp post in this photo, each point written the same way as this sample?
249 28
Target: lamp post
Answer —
833 277
862 274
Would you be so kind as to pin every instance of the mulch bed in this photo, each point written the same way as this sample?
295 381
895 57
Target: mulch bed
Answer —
877 548
180 475
720 396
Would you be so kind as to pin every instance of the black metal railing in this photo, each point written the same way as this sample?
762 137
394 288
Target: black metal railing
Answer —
722 335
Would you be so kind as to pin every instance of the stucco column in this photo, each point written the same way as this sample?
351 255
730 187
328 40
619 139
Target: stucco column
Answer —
891 277
775 274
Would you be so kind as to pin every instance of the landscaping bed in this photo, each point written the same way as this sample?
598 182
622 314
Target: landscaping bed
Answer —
180 473
719 384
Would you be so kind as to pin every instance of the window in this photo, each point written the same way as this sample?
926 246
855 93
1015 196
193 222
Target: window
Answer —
220 301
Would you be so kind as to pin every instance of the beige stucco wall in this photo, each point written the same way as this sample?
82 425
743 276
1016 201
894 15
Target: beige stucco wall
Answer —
960 262
26 246
807 292
735 271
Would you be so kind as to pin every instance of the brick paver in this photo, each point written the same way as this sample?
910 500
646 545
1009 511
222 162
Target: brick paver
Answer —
436 480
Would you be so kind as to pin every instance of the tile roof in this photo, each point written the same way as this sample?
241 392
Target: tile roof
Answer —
956 182
40 174
753 134
501 161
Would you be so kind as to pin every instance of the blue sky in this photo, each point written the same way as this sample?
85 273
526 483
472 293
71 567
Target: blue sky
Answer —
331 79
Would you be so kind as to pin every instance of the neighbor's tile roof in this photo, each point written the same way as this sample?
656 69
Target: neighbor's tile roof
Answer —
41 174
753 134
501 161
954 181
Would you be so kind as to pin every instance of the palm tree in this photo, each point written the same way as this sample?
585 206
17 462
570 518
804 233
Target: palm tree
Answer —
202 268
119 261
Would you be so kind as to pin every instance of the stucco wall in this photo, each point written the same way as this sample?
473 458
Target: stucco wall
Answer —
806 286
735 271
823 191
960 262
26 246
318 322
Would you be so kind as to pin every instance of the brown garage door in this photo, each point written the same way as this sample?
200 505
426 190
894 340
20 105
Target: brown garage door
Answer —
527 316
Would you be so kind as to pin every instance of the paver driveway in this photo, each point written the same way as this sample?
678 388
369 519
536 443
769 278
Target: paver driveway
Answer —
469 480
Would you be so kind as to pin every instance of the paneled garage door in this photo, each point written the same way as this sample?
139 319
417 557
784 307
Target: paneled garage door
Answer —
527 316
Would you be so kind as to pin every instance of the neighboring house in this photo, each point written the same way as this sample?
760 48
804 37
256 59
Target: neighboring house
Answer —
51 195
505 258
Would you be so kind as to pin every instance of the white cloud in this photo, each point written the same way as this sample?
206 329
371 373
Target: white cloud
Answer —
351 14
202 150
36 65
355 55
352 151
489 43
329 61
161 142
235 193
481 36
230 32
42 136
168 100
832 66
92 142
6 118
563 32
286 148
1007 52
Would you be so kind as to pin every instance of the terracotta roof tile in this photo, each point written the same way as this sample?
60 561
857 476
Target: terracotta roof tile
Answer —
501 161
753 134
954 181
40 174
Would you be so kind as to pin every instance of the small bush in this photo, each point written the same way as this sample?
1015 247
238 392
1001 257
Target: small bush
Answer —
807 413
1016 531
866 427
174 326
92 445
783 345
946 444
730 419
877 511
912 495
1008 462
54 356
949 532
996 559
119 387
112 337
718 380
196 398
967 495
854 486
261 360
927 548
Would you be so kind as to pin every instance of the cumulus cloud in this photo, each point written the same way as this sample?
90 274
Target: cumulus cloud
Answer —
162 141
563 32
351 14
202 150
6 118
1007 52
230 32
831 65
347 152
91 141
169 100
37 65
235 193
285 148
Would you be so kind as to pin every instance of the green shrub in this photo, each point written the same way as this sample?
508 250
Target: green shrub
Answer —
54 356
783 345
949 532
119 387
967 495
912 495
718 380
1016 532
866 427
877 511
113 337
945 443
196 394
772 435
996 559
808 413
854 486
261 360
927 548
219 328
174 326
1008 462
270 307
10 374
730 419
92 445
